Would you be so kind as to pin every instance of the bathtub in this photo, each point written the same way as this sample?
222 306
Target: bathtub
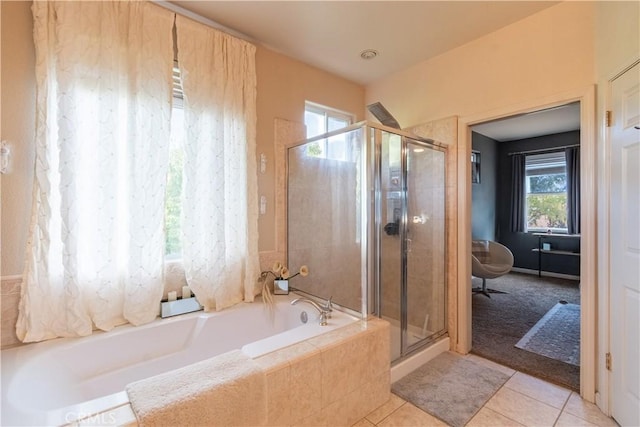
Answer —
58 381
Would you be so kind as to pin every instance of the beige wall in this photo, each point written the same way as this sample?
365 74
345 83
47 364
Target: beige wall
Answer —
18 128
617 43
283 86
546 53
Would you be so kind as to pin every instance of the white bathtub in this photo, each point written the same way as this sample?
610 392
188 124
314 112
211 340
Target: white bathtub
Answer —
57 381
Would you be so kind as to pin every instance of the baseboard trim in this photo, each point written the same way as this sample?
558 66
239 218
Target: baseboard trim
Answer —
545 273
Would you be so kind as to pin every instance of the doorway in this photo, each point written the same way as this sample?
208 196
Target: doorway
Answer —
528 319
586 99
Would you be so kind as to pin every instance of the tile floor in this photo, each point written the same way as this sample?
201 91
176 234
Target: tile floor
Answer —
522 401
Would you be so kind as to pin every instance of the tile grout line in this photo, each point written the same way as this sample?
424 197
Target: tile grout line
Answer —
502 415
563 407
540 401
491 397
388 415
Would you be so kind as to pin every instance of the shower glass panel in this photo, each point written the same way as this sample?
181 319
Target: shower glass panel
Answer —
324 217
366 213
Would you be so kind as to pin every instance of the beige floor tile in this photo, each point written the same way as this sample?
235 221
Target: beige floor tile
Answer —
410 416
541 390
489 418
523 409
493 365
568 420
587 411
383 411
364 423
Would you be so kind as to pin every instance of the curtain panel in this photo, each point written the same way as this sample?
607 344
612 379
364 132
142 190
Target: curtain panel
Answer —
103 102
518 196
220 206
572 156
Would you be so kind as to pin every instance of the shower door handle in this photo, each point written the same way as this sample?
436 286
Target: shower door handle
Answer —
409 245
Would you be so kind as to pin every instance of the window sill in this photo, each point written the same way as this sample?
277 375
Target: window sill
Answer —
554 231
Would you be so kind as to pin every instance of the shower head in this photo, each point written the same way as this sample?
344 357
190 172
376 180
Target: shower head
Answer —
383 115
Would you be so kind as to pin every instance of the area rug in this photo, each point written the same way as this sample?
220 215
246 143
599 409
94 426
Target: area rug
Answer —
556 335
450 387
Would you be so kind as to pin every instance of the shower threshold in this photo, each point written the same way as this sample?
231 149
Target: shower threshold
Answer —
408 364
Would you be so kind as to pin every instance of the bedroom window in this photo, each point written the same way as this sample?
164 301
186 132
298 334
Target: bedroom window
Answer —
546 192
320 119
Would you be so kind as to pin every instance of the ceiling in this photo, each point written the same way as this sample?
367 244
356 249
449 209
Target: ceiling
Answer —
330 35
539 123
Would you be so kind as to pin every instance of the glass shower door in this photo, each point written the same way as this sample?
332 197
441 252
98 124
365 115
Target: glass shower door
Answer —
411 241
424 244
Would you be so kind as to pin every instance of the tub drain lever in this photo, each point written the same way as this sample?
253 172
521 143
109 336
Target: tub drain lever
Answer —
322 310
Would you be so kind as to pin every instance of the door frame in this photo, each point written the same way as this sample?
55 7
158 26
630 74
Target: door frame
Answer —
588 207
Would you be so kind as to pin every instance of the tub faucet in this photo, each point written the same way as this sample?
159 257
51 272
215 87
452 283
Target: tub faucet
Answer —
322 310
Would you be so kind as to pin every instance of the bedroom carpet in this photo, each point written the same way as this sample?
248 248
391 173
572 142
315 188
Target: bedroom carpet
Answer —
501 321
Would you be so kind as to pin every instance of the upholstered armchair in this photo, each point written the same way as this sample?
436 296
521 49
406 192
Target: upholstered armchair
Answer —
488 261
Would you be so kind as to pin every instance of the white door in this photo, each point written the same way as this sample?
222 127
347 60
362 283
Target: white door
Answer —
624 244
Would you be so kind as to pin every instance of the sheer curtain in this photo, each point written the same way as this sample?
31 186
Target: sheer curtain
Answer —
220 207
96 245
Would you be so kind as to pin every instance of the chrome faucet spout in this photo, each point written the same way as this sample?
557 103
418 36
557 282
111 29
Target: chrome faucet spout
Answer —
308 301
323 311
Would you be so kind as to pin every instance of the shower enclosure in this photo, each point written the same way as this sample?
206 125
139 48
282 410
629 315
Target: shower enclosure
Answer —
366 214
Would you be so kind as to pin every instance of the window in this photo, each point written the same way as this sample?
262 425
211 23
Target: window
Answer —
319 120
173 202
546 189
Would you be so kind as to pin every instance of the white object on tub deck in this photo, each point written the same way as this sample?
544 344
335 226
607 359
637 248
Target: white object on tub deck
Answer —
186 292
52 382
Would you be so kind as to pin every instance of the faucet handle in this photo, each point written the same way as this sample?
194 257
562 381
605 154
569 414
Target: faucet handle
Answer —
328 307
